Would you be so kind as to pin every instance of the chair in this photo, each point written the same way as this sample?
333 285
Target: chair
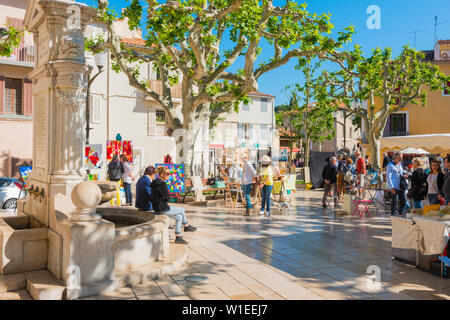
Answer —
198 188
365 203
445 263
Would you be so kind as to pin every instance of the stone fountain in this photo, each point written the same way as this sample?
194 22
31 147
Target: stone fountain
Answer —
58 229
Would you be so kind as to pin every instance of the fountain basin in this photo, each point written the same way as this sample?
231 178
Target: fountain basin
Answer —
23 248
140 237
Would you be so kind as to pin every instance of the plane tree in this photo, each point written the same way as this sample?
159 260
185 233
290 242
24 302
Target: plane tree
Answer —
211 49
374 87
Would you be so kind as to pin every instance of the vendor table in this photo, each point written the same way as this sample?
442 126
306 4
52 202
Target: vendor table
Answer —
422 238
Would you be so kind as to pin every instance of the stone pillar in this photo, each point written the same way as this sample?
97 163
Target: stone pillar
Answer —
80 243
60 81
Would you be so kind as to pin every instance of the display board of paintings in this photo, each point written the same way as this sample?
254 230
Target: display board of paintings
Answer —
25 174
176 181
93 156
114 147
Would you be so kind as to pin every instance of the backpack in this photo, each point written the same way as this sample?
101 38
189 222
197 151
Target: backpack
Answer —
115 172
348 177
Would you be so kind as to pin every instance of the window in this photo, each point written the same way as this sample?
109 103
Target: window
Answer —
263 132
264 103
160 116
95 109
397 125
245 107
5 183
13 96
241 131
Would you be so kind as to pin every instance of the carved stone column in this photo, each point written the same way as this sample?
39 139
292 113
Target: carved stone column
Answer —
80 243
60 80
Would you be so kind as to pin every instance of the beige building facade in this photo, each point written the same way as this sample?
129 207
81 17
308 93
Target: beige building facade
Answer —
16 127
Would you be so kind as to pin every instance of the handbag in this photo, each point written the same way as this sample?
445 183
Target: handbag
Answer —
403 184
442 201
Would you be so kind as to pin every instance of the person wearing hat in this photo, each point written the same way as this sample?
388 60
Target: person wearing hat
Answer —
267 185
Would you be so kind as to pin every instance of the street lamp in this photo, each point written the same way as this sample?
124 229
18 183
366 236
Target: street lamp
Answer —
100 62
343 124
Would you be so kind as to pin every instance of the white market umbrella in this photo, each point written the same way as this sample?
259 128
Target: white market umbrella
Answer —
414 151
429 141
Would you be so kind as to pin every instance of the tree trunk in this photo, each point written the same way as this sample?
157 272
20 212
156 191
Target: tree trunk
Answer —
185 146
375 149
306 147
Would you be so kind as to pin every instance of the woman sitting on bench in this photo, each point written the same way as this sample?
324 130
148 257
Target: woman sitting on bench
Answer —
160 197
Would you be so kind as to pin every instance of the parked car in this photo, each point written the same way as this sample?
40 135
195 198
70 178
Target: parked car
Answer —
10 191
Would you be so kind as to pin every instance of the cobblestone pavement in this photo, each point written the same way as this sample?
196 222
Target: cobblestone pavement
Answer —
308 254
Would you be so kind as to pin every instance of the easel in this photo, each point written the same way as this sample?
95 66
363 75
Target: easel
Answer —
228 194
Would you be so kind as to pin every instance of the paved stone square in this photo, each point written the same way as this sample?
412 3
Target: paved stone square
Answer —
309 254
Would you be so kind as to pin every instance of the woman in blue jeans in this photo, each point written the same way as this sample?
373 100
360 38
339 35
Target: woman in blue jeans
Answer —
267 183
435 181
160 197
418 190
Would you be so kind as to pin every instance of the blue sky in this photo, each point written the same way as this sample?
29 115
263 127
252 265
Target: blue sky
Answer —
399 18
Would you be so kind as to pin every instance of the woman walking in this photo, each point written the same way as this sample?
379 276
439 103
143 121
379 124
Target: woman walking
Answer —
418 191
160 197
127 179
435 182
267 185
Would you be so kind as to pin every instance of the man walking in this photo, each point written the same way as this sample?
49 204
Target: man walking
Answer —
342 169
361 172
247 181
394 175
329 176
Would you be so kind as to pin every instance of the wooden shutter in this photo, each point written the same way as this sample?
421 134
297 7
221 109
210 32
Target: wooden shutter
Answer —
2 94
27 97
94 111
151 129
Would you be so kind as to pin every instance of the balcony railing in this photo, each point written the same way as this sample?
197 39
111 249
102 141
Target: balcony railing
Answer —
24 53
396 134
156 85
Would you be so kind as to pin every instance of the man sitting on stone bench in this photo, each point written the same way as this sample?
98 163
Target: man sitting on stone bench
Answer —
160 197
143 189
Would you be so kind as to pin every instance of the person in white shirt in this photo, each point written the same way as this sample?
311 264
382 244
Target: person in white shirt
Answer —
235 173
127 179
248 174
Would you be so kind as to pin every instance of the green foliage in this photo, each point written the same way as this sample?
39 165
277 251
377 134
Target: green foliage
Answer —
373 87
9 39
95 45
200 42
309 115
386 83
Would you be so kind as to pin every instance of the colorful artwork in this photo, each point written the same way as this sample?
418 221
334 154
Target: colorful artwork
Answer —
114 147
93 156
25 174
176 181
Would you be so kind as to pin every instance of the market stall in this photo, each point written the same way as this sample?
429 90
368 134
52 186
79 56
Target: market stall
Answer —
434 143
420 240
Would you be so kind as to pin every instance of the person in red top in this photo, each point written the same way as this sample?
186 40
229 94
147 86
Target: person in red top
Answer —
361 171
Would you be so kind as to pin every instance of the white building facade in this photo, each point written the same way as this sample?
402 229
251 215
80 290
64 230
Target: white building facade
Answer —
251 130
